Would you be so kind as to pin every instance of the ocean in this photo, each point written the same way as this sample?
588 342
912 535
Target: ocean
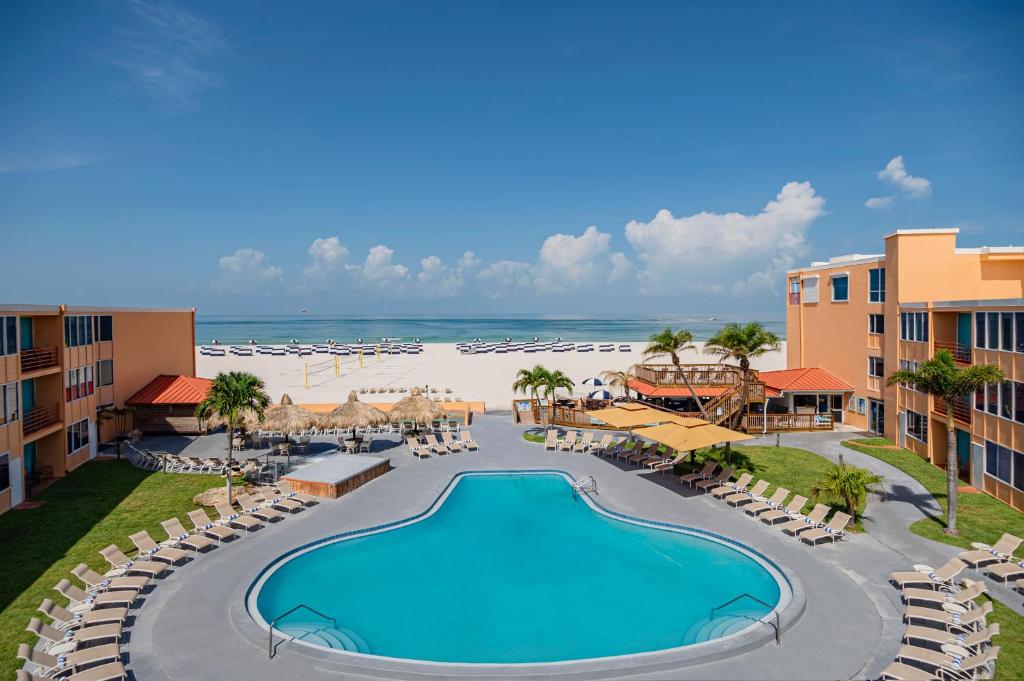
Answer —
278 329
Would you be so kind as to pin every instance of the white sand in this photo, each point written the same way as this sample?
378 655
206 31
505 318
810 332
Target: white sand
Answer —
486 377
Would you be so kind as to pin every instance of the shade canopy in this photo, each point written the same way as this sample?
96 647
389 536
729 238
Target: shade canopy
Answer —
287 417
633 415
416 408
354 414
683 439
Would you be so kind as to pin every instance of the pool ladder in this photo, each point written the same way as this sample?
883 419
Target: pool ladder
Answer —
776 626
587 484
272 647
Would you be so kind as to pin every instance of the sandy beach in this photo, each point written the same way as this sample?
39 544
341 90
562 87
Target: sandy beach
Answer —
483 377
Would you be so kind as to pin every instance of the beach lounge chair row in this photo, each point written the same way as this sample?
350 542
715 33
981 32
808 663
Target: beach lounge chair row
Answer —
948 635
82 640
423 446
576 441
501 348
771 510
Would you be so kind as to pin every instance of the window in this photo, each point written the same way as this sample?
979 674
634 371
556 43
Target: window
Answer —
876 367
78 330
105 372
917 426
8 335
104 327
1006 399
862 405
1004 464
78 383
992 398
78 436
993 330
876 323
979 329
840 289
1018 402
852 404
909 365
1006 323
1019 345
9 398
5 471
914 326
876 285
810 290
794 291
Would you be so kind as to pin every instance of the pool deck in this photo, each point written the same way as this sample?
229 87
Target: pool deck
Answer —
194 624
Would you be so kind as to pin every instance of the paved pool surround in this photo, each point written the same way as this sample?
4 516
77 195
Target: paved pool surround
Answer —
844 622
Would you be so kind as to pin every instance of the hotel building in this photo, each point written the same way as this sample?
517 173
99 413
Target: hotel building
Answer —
60 365
863 316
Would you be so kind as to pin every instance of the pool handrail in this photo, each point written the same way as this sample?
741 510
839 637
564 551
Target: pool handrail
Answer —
271 648
778 630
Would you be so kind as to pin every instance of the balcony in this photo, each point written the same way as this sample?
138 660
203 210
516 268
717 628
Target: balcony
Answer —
961 410
39 359
703 375
39 418
961 353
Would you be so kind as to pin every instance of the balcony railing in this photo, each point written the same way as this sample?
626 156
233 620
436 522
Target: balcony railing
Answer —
961 353
961 409
35 359
705 375
39 418
776 423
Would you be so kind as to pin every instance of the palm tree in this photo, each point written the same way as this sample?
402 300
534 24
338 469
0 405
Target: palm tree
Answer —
552 381
844 484
742 343
940 377
529 380
617 379
671 343
231 395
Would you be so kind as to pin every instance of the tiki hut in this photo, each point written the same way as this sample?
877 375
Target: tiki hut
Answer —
416 408
354 414
286 417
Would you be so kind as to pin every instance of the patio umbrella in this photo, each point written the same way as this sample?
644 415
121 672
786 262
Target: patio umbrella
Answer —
354 414
288 417
684 439
633 415
600 395
416 408
593 381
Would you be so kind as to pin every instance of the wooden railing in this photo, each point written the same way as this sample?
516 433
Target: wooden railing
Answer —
961 409
775 423
703 375
961 353
35 359
39 418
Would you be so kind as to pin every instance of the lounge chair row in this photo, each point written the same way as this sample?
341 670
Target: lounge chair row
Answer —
423 446
576 441
948 635
650 456
810 528
999 560
81 641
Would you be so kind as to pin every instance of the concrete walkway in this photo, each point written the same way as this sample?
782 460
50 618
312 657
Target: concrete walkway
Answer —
194 624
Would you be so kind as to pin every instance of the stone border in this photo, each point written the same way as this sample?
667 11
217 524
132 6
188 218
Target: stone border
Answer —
791 605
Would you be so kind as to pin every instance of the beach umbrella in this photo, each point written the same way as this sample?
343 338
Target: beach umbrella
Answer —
354 414
684 439
600 395
416 408
288 417
593 381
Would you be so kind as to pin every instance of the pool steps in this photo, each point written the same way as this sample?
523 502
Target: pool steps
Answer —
722 625
326 636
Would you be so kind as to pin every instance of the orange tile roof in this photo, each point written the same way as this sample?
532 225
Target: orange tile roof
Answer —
808 379
166 389
649 390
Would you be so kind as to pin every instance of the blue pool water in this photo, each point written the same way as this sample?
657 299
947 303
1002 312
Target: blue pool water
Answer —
511 568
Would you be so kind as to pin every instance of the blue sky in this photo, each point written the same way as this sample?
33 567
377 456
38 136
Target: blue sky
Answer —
465 157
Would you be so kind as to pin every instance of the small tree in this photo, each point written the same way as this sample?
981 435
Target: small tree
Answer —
528 381
940 377
742 343
617 379
119 417
552 381
672 343
847 485
231 395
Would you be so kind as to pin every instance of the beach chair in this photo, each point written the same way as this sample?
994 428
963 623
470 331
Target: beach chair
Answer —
642 454
57 642
984 554
64 619
1007 571
82 600
50 666
802 523
753 494
702 474
939 597
95 582
253 507
709 483
973 641
728 488
569 442
148 547
613 450
450 442
203 525
467 440
119 562
177 534
792 509
942 577
772 502
584 444
270 497
284 489
947 665
836 529
661 459
437 445
415 448
232 518
604 443
971 620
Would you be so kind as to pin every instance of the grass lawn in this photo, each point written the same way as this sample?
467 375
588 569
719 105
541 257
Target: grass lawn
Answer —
533 437
981 518
795 469
94 506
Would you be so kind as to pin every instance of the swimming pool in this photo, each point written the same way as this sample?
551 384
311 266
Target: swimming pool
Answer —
515 568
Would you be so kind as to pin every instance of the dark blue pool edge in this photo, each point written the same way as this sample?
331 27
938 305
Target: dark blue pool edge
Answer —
698 653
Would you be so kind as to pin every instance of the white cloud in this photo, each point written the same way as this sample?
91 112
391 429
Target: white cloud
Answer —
245 271
504 277
15 162
379 274
441 280
896 173
880 202
566 262
327 254
167 52
715 252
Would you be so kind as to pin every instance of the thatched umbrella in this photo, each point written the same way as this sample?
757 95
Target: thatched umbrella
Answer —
416 408
354 414
289 418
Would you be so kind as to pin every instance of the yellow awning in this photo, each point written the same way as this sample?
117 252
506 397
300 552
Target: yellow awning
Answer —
683 439
633 415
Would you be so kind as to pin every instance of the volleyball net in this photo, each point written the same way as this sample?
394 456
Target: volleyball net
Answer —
326 370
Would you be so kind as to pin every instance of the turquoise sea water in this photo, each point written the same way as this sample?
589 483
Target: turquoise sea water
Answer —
317 329
513 569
